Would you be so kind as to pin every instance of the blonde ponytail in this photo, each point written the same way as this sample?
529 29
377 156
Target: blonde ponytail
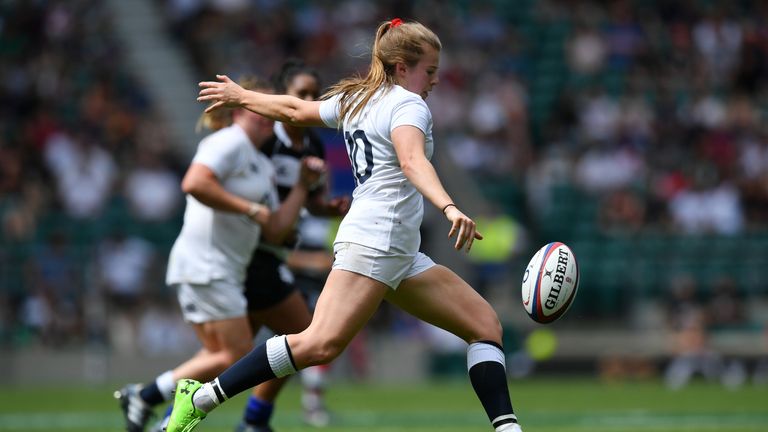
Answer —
214 120
395 42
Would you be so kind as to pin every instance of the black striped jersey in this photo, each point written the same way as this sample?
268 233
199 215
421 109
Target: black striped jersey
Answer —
287 159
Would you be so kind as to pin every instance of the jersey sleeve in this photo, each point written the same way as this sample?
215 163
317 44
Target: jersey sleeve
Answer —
411 111
221 156
329 111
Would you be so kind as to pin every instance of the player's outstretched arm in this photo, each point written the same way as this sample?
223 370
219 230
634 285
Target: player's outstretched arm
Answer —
409 145
282 108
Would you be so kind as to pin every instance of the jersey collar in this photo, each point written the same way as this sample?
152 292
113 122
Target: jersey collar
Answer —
282 135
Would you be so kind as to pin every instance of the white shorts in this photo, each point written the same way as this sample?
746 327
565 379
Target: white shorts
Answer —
389 268
217 300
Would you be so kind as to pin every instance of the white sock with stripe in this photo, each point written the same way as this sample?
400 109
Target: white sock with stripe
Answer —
487 372
510 427
279 356
209 396
166 385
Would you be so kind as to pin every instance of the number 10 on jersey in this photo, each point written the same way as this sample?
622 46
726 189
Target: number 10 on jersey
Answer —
354 142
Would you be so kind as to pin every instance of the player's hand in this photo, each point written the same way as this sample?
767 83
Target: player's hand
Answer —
338 206
259 213
222 93
312 174
463 227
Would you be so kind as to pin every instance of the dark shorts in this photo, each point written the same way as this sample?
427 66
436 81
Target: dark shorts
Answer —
267 282
310 287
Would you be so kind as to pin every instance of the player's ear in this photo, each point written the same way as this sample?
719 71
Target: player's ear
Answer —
400 69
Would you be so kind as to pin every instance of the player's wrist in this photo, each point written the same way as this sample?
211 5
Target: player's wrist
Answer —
303 184
447 206
254 210
311 184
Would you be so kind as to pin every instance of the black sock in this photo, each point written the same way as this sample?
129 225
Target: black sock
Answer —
250 371
489 379
151 394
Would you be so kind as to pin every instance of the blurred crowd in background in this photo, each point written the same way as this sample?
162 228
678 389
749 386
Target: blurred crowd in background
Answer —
85 170
635 131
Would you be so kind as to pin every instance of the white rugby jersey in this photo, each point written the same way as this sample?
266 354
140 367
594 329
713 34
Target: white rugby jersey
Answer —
216 244
386 209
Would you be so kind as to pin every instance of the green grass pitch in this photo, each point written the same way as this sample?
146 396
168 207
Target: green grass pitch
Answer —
569 405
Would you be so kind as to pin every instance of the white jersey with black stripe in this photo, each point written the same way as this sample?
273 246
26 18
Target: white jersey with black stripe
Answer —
386 209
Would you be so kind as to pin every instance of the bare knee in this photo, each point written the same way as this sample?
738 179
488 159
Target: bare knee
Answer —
487 328
326 351
317 351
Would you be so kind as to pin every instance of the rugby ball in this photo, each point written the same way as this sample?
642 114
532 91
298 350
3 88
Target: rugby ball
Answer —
550 282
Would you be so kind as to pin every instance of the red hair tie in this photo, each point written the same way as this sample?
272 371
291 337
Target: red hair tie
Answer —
395 22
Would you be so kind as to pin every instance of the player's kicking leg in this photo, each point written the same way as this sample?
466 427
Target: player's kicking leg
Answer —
440 297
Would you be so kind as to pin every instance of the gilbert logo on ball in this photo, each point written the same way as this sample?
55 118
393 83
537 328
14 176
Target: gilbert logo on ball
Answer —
550 282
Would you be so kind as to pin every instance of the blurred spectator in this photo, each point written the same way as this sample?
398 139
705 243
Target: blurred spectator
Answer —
84 173
152 188
229 6
182 10
486 113
10 170
37 312
553 168
123 265
636 122
708 111
53 304
162 331
622 212
725 308
753 182
598 116
7 319
21 195
708 205
760 376
604 167
484 26
689 343
726 312
20 216
586 50
624 35
718 40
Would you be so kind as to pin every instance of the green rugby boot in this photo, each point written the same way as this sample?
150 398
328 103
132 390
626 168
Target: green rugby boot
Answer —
185 416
